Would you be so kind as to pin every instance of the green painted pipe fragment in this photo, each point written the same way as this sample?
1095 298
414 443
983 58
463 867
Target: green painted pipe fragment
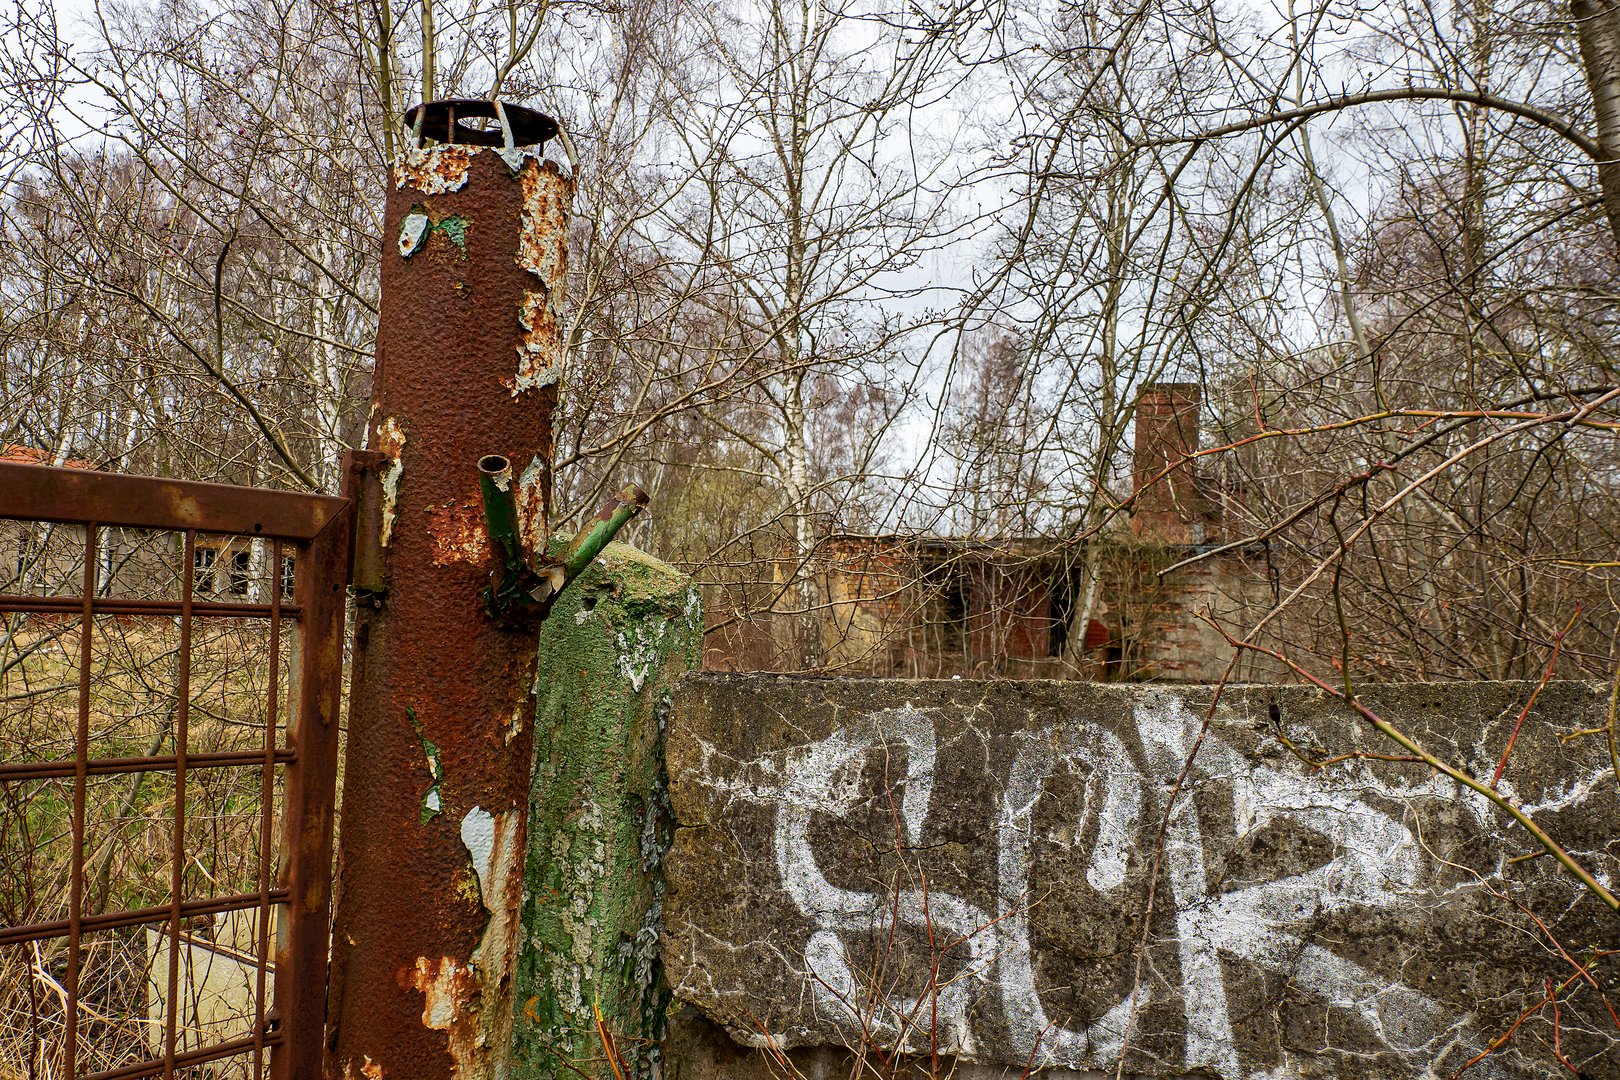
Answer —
500 508
518 586
591 539
602 528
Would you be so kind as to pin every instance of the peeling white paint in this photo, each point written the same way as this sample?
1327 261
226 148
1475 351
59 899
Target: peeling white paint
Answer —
491 842
435 170
495 844
478 837
531 504
412 231
391 441
542 247
539 351
445 988
432 803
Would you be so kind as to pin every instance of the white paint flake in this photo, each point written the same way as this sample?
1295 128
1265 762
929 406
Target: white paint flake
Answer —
478 837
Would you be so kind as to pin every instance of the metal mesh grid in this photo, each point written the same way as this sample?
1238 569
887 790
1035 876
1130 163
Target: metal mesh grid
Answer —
168 697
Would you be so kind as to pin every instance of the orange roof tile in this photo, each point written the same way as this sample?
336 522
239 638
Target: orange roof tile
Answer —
31 455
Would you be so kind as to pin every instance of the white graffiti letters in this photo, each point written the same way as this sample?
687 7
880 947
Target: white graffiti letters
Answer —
1374 863
826 779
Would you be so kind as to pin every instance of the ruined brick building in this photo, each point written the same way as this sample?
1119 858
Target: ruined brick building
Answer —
907 605
918 606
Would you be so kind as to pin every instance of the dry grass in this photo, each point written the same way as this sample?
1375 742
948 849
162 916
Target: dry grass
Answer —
134 676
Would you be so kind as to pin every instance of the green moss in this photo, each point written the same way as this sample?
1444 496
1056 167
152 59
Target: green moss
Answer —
599 817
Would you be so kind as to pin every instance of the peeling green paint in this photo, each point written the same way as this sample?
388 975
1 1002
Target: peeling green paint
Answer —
454 229
432 800
599 819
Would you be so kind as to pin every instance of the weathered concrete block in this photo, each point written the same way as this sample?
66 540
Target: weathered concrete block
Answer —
962 868
599 820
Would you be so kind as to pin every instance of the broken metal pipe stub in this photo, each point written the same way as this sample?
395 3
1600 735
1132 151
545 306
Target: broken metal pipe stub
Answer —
524 583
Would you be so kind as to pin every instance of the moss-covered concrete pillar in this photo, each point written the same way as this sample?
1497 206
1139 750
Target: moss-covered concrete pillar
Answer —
599 820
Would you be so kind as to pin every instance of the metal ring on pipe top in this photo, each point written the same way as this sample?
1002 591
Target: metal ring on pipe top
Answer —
444 121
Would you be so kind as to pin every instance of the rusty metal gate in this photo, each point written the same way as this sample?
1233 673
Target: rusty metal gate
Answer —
170 676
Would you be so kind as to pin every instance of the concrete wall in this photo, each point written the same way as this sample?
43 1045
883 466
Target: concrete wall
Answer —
217 985
960 870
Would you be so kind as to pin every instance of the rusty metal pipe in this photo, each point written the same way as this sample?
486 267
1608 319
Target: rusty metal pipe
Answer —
469 347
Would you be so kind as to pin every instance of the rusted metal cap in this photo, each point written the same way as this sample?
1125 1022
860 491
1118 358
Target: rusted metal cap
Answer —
443 121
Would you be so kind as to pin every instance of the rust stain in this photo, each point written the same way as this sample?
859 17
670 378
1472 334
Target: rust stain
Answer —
186 509
435 170
458 533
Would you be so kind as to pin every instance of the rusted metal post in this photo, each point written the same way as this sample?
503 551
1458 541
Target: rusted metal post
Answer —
442 721
311 791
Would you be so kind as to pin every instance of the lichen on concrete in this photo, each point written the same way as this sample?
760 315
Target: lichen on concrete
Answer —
599 818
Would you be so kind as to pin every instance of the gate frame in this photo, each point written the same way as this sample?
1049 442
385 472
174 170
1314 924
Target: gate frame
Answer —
320 530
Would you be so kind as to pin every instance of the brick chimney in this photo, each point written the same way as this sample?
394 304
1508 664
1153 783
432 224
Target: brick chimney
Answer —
1171 511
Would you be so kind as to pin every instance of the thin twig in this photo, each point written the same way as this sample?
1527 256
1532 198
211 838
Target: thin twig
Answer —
1546 677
